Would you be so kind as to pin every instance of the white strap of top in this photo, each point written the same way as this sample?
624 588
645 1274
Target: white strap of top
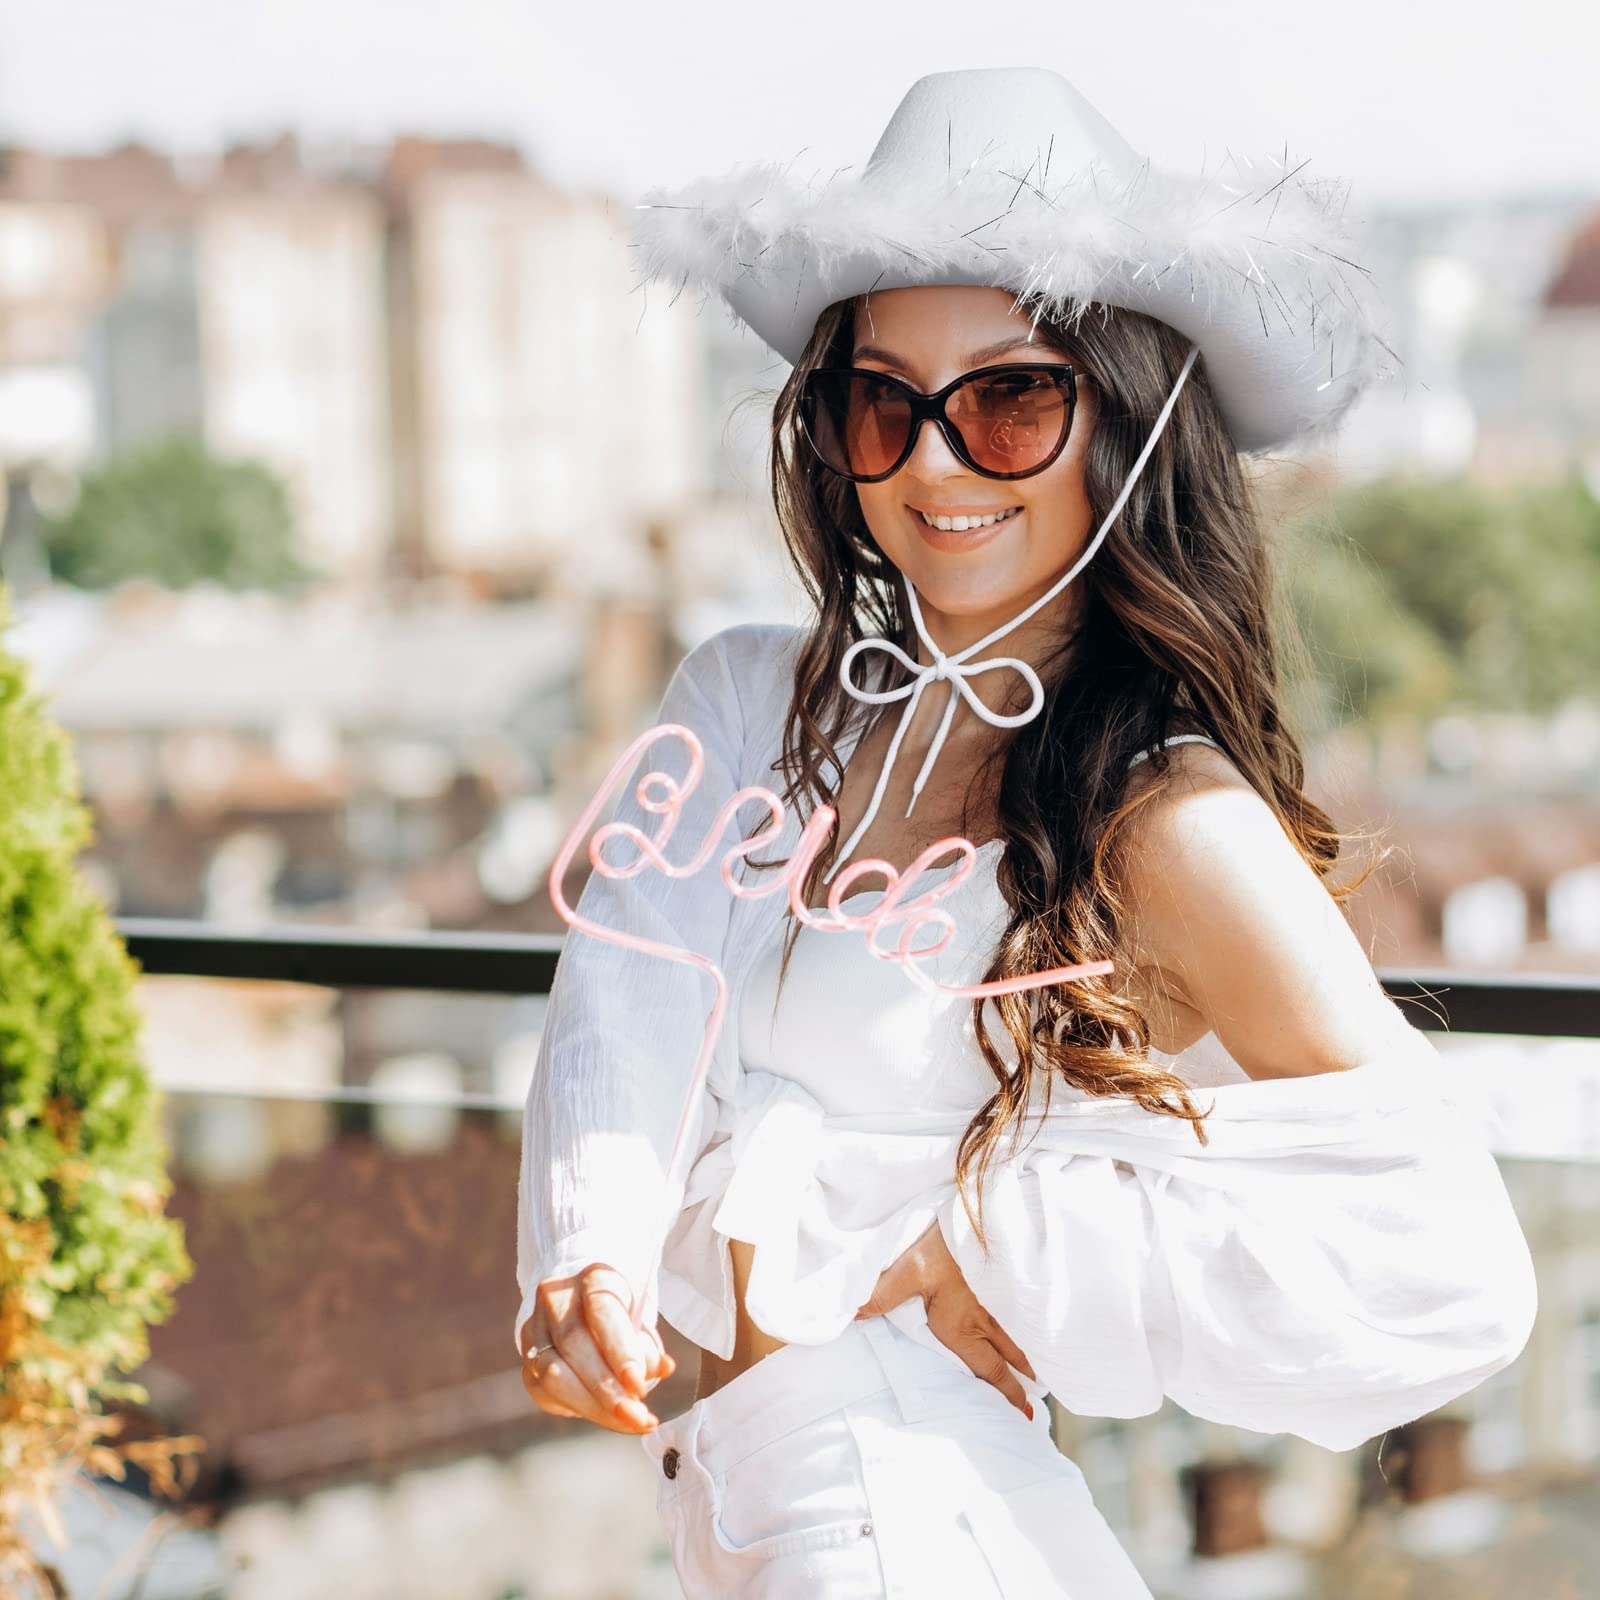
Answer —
1177 738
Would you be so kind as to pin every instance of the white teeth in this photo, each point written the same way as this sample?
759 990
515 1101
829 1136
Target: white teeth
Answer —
961 524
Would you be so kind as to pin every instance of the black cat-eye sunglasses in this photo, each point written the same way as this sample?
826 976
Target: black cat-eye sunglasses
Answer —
1009 421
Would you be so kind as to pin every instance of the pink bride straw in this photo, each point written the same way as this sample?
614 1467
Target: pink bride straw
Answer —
890 909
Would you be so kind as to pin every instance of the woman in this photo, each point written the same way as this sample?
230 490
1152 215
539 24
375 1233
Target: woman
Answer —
1327 1249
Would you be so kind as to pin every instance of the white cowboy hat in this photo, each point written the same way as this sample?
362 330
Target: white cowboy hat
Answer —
1009 177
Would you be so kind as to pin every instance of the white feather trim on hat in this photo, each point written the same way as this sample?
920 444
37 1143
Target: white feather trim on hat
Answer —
1252 262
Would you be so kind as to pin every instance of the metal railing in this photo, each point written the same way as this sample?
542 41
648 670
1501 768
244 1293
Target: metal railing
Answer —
1545 1005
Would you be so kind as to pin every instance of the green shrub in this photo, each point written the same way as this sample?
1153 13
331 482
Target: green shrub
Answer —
88 1260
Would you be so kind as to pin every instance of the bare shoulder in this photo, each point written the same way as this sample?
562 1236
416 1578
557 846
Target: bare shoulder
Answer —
1203 844
1221 901
1158 852
1201 799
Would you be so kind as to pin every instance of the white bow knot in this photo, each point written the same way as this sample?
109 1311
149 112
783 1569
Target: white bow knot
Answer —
953 669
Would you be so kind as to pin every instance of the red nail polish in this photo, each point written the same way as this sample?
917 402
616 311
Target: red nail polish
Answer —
1028 1409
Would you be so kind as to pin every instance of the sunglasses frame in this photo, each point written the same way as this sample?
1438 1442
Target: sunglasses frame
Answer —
931 407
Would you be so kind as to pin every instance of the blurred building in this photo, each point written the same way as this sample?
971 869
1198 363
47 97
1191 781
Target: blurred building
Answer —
541 418
140 349
1464 291
1564 352
289 267
57 271
363 739
251 761
439 352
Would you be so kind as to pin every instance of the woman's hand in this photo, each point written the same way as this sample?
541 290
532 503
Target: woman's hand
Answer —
601 1366
954 1313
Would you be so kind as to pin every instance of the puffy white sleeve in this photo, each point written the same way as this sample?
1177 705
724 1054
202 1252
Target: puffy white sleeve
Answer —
623 1029
1344 1258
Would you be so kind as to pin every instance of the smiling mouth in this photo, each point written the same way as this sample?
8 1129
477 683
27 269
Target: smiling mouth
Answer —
963 524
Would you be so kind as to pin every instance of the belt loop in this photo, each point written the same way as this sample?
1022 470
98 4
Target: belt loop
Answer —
691 1437
907 1393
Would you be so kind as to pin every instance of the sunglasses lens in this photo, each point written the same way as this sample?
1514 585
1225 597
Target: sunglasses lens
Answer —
857 424
1011 421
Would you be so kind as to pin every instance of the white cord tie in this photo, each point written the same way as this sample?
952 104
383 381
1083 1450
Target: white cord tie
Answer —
957 669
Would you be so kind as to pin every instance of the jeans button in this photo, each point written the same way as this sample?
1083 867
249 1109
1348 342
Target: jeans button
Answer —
669 1462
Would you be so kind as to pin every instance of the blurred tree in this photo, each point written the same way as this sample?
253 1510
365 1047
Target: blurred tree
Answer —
1419 593
177 514
1372 658
1554 549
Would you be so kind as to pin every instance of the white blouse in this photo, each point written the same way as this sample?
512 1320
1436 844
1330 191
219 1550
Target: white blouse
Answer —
1340 1258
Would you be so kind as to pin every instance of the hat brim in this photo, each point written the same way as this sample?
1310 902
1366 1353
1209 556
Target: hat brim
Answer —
1254 266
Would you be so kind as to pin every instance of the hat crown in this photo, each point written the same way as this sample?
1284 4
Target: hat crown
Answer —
1000 116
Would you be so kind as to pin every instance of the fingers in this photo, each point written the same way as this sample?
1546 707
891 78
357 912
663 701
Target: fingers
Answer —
531 1334
582 1360
658 1364
534 1339
1009 1348
988 1328
991 1366
557 1388
533 1380
969 1334
628 1353
636 1355
666 1364
584 1343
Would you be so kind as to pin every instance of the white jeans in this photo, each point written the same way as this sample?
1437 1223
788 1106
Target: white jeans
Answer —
875 1467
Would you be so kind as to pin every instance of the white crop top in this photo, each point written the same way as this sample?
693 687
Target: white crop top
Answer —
1341 1257
849 1035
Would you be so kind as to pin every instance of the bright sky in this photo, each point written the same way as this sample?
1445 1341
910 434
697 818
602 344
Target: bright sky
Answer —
1410 99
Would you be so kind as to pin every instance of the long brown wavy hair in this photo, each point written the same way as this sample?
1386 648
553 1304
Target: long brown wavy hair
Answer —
1177 632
